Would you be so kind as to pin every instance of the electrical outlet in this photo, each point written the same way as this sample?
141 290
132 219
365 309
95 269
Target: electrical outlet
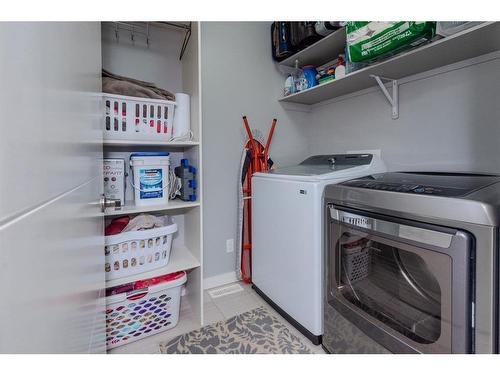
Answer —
230 245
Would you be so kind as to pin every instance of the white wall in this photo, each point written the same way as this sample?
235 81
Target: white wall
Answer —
447 122
238 78
158 63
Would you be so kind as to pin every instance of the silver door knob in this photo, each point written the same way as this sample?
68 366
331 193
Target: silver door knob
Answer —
108 203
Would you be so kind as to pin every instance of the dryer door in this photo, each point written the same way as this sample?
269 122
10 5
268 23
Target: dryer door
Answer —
406 285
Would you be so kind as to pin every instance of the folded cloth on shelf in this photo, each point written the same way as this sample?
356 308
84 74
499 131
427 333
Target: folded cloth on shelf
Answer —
145 221
120 85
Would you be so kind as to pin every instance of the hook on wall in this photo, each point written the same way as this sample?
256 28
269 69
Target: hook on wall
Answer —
143 29
135 31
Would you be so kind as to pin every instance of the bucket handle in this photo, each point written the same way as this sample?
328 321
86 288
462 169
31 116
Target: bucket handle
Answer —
138 188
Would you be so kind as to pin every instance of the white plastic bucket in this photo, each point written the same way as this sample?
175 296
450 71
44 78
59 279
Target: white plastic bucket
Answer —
150 177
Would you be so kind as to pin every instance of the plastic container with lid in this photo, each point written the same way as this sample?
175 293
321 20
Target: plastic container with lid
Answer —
150 177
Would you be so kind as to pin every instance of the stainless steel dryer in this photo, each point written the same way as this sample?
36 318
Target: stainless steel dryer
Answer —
412 264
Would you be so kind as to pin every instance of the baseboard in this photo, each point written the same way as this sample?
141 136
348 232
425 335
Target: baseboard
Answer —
218 280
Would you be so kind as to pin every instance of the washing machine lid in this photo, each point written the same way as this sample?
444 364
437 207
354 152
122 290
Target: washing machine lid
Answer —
446 196
323 166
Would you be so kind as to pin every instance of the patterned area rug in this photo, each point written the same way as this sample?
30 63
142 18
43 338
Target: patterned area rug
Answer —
254 332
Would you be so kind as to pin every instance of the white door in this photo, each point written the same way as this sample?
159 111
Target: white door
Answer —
51 228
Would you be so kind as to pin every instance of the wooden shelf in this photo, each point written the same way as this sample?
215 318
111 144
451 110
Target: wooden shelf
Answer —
476 41
181 259
125 143
321 52
132 209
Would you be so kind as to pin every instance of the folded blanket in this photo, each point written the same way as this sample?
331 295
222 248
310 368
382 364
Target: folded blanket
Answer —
146 221
120 85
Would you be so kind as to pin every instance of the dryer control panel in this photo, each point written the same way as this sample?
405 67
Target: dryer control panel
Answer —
430 183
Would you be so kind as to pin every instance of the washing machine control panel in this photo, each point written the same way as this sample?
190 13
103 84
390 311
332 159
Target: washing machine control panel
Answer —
406 188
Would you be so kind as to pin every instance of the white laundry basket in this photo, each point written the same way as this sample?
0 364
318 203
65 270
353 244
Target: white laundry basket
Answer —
130 253
142 309
131 118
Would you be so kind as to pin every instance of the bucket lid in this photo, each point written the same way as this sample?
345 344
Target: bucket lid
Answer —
141 154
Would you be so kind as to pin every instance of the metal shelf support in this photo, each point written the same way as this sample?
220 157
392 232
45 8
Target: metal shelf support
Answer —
185 42
392 99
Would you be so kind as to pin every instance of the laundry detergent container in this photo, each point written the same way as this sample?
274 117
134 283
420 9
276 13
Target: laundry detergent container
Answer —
143 308
150 177
134 252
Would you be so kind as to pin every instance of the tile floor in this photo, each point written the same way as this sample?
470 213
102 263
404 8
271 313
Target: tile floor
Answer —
215 310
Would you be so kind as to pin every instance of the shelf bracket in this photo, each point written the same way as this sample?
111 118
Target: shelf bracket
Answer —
185 42
392 99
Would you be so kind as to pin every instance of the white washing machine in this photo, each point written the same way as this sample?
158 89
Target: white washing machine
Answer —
288 237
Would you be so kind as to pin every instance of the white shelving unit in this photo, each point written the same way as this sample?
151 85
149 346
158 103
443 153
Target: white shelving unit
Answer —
187 248
473 42
123 143
170 206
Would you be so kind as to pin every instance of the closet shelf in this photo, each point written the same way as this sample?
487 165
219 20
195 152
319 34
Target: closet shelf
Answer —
476 41
181 259
170 206
321 52
125 143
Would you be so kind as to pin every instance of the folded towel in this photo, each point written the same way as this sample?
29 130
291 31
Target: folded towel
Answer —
120 85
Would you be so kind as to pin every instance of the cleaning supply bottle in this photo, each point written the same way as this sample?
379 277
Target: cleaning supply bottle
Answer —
299 81
325 28
289 85
310 75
